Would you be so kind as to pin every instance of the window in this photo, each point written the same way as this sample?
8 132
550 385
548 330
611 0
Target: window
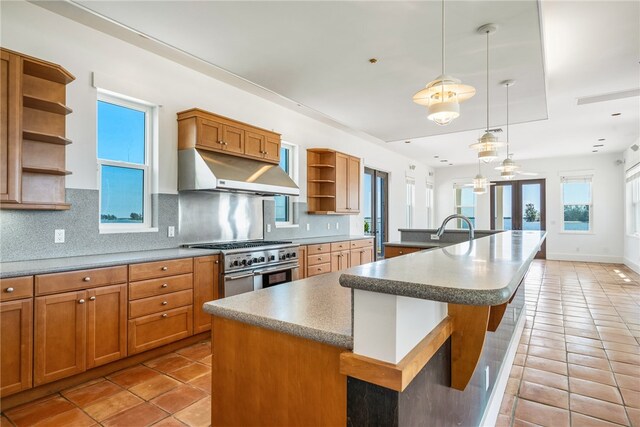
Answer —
284 204
465 204
577 204
411 201
429 194
125 134
633 200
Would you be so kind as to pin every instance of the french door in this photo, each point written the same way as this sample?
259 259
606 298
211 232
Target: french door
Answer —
376 211
519 205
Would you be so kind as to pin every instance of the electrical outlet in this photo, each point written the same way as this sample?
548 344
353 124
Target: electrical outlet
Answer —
59 236
171 231
337 225
328 226
308 227
268 228
514 315
486 378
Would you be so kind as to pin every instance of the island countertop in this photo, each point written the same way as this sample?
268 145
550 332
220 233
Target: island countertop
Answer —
318 308
485 271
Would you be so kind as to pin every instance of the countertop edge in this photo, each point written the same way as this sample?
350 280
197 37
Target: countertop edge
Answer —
330 338
136 258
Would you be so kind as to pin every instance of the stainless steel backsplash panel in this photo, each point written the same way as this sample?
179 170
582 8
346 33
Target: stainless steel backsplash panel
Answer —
219 217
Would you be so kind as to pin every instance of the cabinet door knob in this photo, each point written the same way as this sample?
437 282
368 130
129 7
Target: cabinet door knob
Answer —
86 279
92 298
165 268
164 303
9 290
81 301
217 262
164 285
266 153
319 269
319 259
400 252
165 315
220 142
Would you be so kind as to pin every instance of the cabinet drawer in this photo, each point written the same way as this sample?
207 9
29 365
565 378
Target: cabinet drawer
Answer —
355 244
394 251
339 246
16 288
318 269
165 285
161 303
159 329
80 279
319 249
151 270
318 259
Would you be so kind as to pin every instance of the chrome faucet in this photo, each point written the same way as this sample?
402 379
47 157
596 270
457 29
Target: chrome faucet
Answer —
455 216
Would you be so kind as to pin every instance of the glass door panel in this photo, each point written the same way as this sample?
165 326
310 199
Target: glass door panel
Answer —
376 185
502 207
531 206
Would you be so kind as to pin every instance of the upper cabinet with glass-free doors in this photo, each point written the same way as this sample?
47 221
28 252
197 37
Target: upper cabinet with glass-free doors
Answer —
33 133
333 182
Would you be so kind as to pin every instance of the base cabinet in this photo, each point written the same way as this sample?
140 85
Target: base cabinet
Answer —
360 256
106 324
16 333
206 287
158 329
394 251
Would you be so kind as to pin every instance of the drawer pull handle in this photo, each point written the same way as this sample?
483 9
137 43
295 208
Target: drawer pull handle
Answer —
319 259
165 315
319 269
164 285
81 301
165 268
92 298
86 279
164 303
9 290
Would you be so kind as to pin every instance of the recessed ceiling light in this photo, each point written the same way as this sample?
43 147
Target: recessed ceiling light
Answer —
436 157
600 139
450 164
444 161
616 114
373 60
594 151
407 142
598 145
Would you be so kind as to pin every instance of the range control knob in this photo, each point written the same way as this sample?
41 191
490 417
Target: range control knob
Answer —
249 262
235 263
244 262
288 256
255 260
261 259
282 257
272 258
293 254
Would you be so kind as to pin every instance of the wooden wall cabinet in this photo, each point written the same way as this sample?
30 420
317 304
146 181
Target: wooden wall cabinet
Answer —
78 330
333 182
16 335
33 136
208 131
206 287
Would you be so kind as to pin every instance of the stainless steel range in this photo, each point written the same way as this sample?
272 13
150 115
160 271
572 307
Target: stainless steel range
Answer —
253 265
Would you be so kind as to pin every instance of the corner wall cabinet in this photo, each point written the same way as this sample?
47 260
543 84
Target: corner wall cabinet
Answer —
208 131
333 182
33 136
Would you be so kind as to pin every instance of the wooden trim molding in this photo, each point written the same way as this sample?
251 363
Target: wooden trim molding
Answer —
469 330
496 313
397 376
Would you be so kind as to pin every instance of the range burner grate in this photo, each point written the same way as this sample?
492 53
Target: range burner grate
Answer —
238 245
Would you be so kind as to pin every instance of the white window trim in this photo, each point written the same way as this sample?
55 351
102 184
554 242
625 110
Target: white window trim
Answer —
410 207
293 174
151 138
562 205
629 177
460 186
430 200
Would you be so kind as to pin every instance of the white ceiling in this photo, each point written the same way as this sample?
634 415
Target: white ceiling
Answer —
316 54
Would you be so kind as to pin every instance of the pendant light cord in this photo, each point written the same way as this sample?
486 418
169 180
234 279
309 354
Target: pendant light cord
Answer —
508 141
443 32
487 81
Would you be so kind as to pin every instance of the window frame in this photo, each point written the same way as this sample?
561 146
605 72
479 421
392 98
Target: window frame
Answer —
429 197
588 177
632 209
293 174
150 111
410 205
459 223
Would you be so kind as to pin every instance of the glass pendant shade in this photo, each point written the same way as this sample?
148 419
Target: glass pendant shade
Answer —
442 97
479 184
507 166
507 175
487 147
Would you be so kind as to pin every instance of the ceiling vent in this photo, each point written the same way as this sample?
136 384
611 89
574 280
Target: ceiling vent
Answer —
609 96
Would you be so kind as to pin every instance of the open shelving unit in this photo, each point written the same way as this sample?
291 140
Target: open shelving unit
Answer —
321 181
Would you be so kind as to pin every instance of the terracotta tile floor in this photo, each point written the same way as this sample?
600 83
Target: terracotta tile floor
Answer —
578 362
172 390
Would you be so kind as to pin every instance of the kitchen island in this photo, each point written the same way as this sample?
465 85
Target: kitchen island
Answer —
417 339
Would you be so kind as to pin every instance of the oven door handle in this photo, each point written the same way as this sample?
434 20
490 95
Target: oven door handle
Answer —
238 277
278 268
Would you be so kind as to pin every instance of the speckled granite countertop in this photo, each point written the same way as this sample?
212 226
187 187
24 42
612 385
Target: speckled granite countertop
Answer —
485 271
55 265
317 308
425 245
327 239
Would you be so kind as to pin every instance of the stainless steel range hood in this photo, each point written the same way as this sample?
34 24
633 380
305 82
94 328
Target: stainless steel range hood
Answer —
205 170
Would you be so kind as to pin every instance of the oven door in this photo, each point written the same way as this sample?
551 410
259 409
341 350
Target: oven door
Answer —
267 277
239 283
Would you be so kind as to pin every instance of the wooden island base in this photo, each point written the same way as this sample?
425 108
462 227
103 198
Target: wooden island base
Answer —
266 377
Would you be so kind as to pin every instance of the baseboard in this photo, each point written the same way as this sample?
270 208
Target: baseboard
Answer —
584 258
495 400
632 265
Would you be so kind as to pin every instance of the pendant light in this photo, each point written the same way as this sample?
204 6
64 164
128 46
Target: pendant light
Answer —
443 96
487 145
508 167
479 182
